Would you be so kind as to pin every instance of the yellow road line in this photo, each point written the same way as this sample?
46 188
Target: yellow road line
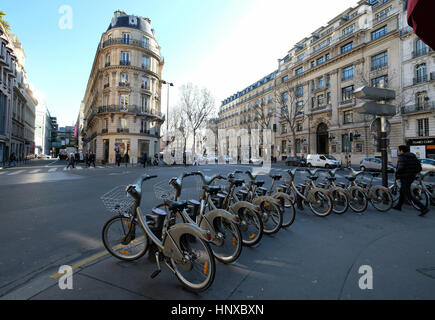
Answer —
93 258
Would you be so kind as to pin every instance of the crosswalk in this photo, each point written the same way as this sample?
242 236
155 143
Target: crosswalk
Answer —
48 170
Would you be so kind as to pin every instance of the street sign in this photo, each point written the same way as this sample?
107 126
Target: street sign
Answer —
386 110
375 127
375 94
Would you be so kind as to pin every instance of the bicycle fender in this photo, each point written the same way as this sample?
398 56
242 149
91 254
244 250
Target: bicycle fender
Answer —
258 201
373 191
172 241
234 209
310 195
211 215
279 195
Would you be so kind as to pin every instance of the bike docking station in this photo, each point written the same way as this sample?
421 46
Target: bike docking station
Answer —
378 107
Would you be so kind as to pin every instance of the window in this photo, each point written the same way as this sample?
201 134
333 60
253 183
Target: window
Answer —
320 82
420 48
382 14
299 107
284 79
122 123
320 100
380 82
379 33
301 57
348 30
145 42
125 58
299 71
108 60
423 127
347 73
298 145
269 99
346 145
313 102
144 104
299 91
123 102
359 147
299 126
284 96
421 99
380 61
328 56
328 98
284 146
144 126
328 81
144 84
347 117
126 38
347 93
145 63
347 47
284 129
313 64
124 78
421 73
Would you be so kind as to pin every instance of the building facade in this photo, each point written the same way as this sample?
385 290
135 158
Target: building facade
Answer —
121 107
366 45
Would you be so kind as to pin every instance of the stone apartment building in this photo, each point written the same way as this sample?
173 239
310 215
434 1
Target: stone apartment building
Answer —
365 45
121 106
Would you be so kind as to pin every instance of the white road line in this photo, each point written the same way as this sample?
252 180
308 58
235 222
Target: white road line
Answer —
100 167
52 170
79 168
35 171
51 163
16 172
2 173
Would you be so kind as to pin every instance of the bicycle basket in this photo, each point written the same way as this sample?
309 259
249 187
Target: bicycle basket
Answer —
118 201
164 191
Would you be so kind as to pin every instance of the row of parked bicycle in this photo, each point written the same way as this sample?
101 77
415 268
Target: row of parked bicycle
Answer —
189 235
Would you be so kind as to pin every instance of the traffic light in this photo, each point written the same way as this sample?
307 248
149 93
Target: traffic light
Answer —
350 136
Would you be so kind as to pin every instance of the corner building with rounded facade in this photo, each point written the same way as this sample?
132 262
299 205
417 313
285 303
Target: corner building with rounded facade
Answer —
121 107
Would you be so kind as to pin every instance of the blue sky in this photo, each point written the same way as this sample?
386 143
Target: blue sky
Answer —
224 45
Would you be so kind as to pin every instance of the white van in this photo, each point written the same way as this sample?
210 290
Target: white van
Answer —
323 161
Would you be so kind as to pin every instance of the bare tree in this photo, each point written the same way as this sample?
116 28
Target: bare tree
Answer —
289 99
197 105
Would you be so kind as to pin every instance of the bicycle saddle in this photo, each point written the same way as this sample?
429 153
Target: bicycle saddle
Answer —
292 172
351 178
312 172
332 179
177 205
276 177
238 182
332 173
355 173
213 190
193 203
313 178
375 174
259 183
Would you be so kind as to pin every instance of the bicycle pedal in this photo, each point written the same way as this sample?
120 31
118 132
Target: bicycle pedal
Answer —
155 274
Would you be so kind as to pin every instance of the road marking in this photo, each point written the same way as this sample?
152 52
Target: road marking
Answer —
79 168
51 163
16 172
2 173
35 171
52 170
100 167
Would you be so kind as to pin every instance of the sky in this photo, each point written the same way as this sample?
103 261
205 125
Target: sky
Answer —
223 45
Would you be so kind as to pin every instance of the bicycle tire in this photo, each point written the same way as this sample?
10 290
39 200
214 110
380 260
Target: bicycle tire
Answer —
208 265
324 212
384 204
118 249
289 212
421 196
357 200
336 201
272 222
219 223
249 238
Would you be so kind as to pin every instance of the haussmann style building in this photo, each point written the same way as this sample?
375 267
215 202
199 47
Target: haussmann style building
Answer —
121 107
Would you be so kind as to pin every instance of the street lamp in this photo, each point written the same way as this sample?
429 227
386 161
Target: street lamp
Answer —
167 111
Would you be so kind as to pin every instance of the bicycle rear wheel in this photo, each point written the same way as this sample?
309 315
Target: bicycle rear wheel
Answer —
198 273
228 245
357 200
421 196
251 226
340 203
123 240
288 211
272 217
381 199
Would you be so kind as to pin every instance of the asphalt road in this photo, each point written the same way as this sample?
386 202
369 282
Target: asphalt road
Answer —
50 216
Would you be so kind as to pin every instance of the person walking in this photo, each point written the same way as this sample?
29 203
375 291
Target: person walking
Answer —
408 167
118 158
71 161
12 159
145 159
92 159
87 159
126 159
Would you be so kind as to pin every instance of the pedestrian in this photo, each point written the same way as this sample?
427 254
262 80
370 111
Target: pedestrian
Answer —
92 159
118 158
87 159
408 167
156 160
70 160
145 159
12 160
126 159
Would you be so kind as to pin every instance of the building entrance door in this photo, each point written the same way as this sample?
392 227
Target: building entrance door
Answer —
322 139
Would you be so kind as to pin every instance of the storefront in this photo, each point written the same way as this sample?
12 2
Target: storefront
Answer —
423 148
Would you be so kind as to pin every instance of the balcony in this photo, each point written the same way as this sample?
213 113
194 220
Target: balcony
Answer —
124 84
419 53
379 66
107 85
130 109
145 86
104 131
124 62
378 4
324 108
419 108
420 79
107 64
130 42
382 18
123 130
347 103
146 67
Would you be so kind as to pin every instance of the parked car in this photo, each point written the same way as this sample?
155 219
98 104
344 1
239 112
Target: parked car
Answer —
374 164
428 164
296 161
211 159
323 161
255 161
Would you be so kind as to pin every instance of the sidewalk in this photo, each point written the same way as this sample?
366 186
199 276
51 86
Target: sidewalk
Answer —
314 259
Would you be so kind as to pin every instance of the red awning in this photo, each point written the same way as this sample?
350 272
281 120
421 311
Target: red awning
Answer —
421 19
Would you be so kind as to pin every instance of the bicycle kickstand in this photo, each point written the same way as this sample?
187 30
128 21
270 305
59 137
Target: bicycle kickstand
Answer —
157 272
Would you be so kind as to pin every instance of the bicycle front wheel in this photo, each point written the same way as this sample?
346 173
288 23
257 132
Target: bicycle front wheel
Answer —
421 196
251 226
321 204
340 203
381 199
272 217
228 244
198 272
124 239
288 211
357 200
